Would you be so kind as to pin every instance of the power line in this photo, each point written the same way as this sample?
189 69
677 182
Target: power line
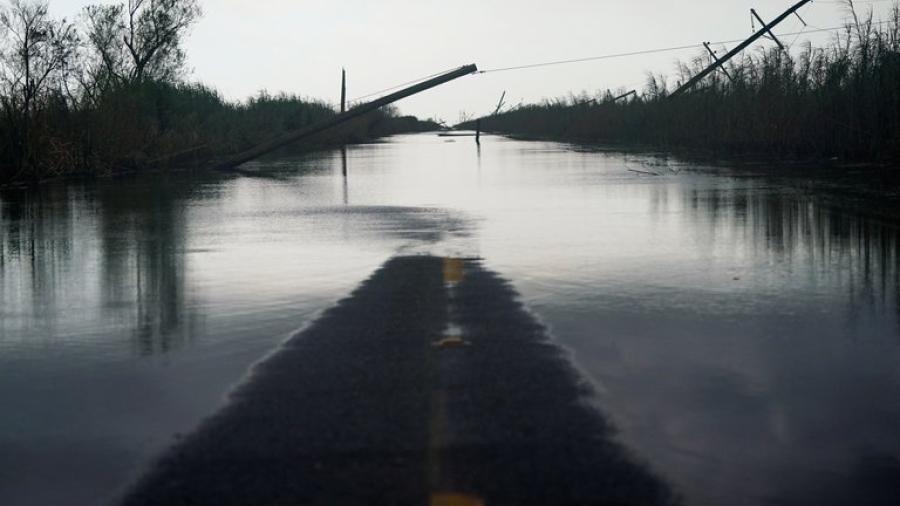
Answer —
589 58
844 2
401 85
651 51
615 55
803 28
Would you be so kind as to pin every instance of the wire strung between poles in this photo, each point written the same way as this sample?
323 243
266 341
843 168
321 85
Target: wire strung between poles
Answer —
651 51
802 32
401 85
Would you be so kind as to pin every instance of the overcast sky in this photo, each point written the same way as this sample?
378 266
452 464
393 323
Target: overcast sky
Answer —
242 46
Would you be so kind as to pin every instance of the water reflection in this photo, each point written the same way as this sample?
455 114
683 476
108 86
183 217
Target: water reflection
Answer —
124 241
344 173
144 255
119 255
744 331
129 307
788 226
752 356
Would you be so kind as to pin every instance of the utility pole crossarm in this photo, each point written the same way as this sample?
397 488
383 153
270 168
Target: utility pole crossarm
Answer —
767 29
734 52
716 59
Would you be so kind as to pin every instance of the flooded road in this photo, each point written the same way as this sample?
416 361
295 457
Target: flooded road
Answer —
741 335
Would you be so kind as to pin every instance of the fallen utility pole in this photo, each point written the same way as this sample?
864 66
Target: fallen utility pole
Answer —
626 95
734 52
355 112
611 101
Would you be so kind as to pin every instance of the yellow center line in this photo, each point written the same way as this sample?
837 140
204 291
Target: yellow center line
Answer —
451 342
453 274
453 270
455 500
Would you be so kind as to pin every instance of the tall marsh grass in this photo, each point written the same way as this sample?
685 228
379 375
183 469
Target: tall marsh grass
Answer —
841 100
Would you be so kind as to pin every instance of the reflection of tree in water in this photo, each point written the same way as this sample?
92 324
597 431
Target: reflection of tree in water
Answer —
37 234
125 236
142 230
844 246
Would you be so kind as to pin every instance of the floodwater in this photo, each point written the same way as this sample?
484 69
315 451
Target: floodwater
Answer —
742 333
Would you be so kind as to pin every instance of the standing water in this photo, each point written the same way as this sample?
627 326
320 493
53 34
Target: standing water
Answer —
742 335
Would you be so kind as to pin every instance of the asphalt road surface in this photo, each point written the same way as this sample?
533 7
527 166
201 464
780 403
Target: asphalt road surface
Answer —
429 385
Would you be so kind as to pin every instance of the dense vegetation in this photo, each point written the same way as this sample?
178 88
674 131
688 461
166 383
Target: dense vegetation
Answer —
842 100
107 92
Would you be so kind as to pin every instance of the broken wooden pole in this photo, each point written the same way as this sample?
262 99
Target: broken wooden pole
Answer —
478 132
355 112
343 91
734 52
500 104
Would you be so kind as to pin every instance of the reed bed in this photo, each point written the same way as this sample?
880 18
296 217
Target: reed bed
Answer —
841 100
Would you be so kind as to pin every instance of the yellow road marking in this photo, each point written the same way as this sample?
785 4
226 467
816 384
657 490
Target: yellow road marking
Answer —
451 342
453 273
455 500
453 270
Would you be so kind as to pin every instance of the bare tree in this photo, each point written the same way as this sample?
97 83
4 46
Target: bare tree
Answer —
106 57
36 49
139 40
154 33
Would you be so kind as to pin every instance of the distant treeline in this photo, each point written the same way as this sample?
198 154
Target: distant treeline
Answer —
107 93
842 100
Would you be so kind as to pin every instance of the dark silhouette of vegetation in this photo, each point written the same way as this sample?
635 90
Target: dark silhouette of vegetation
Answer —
842 100
107 93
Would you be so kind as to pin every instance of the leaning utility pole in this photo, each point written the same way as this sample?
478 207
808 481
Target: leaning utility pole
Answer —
296 135
500 104
765 30
626 95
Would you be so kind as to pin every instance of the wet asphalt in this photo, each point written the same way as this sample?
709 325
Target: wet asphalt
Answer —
429 385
